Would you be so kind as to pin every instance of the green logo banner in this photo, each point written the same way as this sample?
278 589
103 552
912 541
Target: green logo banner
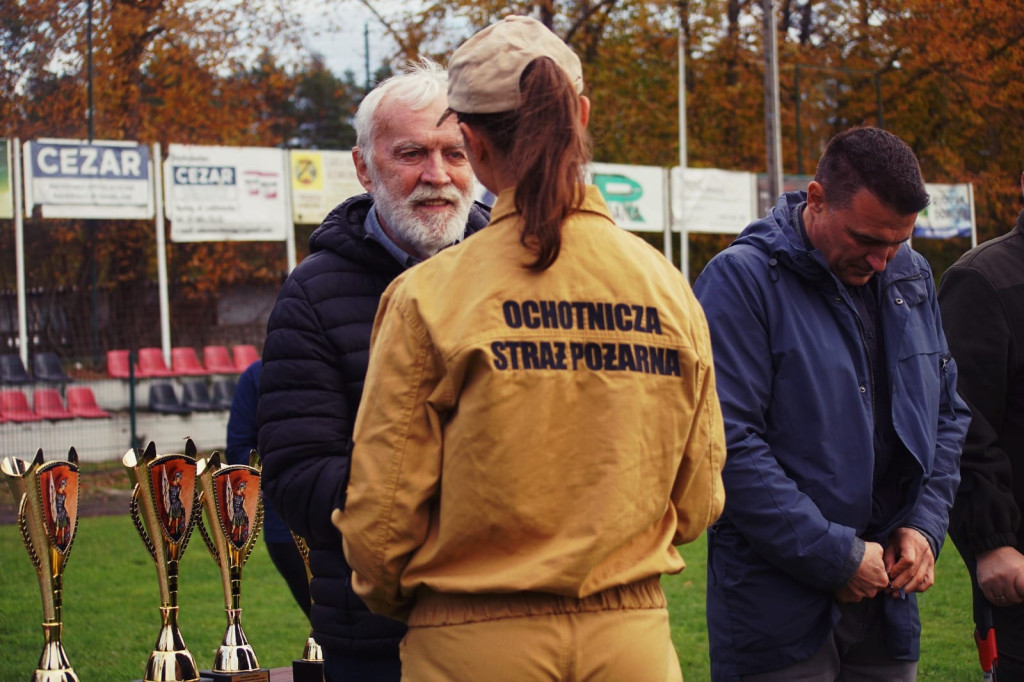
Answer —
6 197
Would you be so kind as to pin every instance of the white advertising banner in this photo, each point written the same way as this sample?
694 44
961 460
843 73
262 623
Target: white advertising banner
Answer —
78 179
320 180
950 213
6 198
712 200
635 194
226 194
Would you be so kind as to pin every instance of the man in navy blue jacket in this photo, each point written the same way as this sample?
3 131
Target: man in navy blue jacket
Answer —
314 360
843 426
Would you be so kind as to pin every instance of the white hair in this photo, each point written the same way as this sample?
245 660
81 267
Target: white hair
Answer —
418 86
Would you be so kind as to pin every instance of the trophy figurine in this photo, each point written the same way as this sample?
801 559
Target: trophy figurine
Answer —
310 668
234 515
47 519
164 508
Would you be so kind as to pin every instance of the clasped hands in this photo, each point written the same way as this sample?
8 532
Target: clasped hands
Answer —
905 565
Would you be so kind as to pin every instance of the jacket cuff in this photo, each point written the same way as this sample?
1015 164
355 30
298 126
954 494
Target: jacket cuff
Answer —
932 542
851 564
990 542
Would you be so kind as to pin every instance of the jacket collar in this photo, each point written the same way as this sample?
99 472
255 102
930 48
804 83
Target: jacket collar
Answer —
593 202
779 236
344 232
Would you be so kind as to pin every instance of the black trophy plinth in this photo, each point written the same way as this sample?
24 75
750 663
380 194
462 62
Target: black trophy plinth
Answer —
307 671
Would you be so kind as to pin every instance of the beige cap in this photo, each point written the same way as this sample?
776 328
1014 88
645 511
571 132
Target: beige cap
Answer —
484 72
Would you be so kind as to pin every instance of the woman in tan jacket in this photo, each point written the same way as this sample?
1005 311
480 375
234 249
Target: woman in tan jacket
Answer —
539 425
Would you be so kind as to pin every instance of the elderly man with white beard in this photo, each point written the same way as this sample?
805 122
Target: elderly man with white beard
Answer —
419 200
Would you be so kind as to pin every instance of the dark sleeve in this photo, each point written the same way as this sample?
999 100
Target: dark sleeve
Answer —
761 498
985 514
305 422
242 424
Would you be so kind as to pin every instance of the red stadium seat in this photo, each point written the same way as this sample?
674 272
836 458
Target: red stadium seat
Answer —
217 360
82 403
14 406
152 364
245 355
117 364
47 404
185 362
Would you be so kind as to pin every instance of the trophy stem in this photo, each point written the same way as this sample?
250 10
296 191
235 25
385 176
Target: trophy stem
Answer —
170 660
312 650
234 653
54 665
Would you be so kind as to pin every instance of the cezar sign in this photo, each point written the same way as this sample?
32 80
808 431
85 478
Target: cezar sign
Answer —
78 179
82 161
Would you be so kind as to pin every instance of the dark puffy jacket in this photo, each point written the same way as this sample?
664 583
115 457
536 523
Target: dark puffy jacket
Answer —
314 362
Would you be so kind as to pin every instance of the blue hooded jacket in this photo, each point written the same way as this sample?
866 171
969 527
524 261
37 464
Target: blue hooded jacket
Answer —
796 388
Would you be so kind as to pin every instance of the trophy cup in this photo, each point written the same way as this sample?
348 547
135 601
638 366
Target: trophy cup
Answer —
234 515
310 668
47 519
164 509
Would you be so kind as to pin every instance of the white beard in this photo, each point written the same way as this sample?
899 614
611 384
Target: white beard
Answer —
427 234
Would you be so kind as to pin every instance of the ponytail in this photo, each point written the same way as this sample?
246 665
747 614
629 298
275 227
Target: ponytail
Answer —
545 145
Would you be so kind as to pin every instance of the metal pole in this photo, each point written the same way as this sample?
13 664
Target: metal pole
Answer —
289 235
19 250
684 258
799 134
161 255
88 42
132 357
90 225
773 128
366 51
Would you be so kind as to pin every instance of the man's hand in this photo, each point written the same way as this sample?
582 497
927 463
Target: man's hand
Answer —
1001 576
870 578
909 562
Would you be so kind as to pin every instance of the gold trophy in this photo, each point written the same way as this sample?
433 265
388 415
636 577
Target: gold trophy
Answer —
310 668
48 519
164 508
234 515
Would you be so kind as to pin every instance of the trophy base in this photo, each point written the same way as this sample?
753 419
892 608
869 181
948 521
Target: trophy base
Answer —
261 675
307 671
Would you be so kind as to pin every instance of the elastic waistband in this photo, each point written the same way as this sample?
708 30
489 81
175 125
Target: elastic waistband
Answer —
435 609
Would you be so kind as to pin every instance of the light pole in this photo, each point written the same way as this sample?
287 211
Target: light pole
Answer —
88 43
90 225
772 126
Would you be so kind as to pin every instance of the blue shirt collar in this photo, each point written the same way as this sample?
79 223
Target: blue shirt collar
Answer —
377 234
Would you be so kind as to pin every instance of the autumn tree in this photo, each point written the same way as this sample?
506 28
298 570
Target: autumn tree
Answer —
944 77
215 73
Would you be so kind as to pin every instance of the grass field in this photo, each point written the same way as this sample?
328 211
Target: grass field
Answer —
111 611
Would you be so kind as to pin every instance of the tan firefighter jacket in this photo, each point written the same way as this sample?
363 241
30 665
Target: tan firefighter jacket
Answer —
553 431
